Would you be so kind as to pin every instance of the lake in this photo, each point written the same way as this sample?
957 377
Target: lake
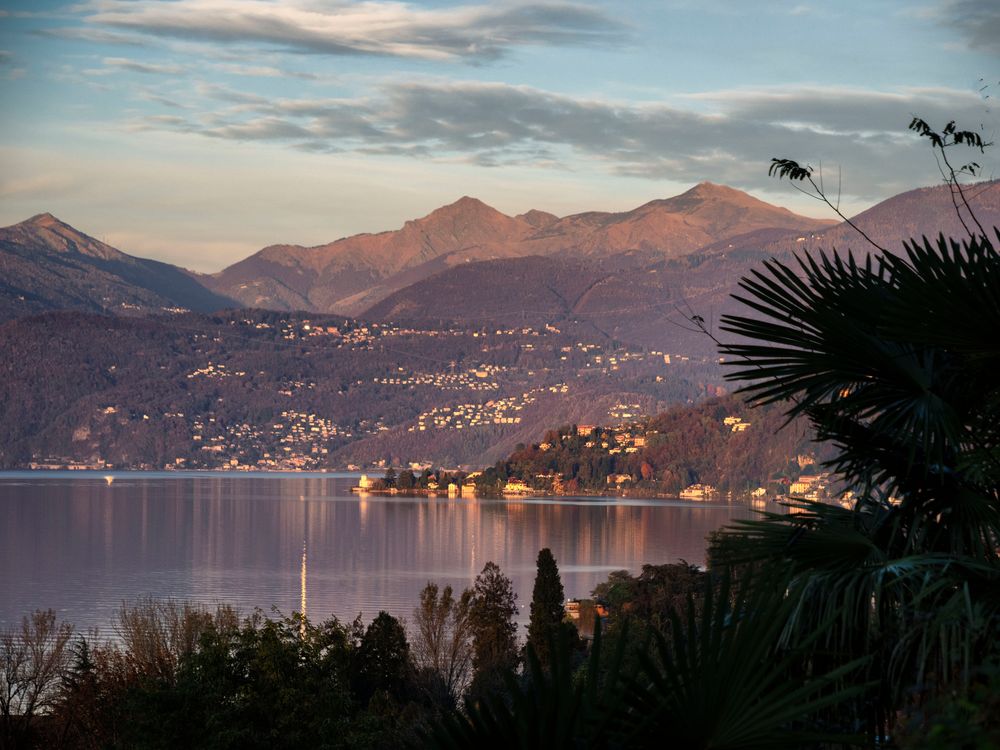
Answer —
74 542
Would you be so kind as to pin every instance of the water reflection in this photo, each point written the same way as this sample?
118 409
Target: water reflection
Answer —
82 544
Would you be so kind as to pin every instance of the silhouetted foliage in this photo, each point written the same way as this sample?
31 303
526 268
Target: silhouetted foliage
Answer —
547 607
494 632
259 682
442 642
382 660
32 660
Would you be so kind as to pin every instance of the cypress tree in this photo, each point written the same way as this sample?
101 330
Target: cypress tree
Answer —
546 606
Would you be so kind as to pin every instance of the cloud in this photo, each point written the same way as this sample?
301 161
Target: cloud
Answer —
978 21
97 36
224 94
262 71
8 70
730 136
135 66
164 101
377 27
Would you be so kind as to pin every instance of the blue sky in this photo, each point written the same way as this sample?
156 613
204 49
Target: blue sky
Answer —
198 131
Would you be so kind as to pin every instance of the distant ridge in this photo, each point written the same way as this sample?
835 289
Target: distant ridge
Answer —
352 274
48 265
927 211
648 302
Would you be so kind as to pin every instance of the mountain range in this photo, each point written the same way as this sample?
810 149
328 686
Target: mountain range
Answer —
353 274
649 301
475 331
622 272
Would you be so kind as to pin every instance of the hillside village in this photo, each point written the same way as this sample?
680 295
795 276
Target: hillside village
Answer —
269 390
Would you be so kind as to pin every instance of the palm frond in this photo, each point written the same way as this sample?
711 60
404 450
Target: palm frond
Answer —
725 680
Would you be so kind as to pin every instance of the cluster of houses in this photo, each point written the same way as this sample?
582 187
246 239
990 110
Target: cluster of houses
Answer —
736 424
499 411
699 492
479 378
625 411
346 334
522 331
216 371
811 486
598 359
295 440
289 386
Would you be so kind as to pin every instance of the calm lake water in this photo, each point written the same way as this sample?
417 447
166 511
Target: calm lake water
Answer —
73 542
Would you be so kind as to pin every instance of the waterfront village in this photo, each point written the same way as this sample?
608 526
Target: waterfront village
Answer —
299 431
296 439
812 484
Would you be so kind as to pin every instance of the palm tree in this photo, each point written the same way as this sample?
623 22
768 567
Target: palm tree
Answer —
896 362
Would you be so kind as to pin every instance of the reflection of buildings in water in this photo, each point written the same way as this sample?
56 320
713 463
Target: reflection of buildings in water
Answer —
237 540
302 606
363 514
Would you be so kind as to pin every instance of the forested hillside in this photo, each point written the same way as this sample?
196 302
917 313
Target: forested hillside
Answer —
721 442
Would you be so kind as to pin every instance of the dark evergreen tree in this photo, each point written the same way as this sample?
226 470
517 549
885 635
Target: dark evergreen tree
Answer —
494 632
546 607
406 480
383 658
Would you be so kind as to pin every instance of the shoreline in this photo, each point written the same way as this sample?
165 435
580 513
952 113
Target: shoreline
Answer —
546 495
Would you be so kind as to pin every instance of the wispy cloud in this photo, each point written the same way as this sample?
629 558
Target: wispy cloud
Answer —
495 124
9 70
97 36
377 27
137 66
262 71
977 20
222 93
148 95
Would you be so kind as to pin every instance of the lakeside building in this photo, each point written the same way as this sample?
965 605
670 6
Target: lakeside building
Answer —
698 492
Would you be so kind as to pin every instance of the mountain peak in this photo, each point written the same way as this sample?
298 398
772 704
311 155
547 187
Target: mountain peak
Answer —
705 190
708 196
42 218
45 220
464 205
468 200
538 219
465 213
45 231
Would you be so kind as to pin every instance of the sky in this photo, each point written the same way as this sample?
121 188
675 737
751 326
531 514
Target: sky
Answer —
199 131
